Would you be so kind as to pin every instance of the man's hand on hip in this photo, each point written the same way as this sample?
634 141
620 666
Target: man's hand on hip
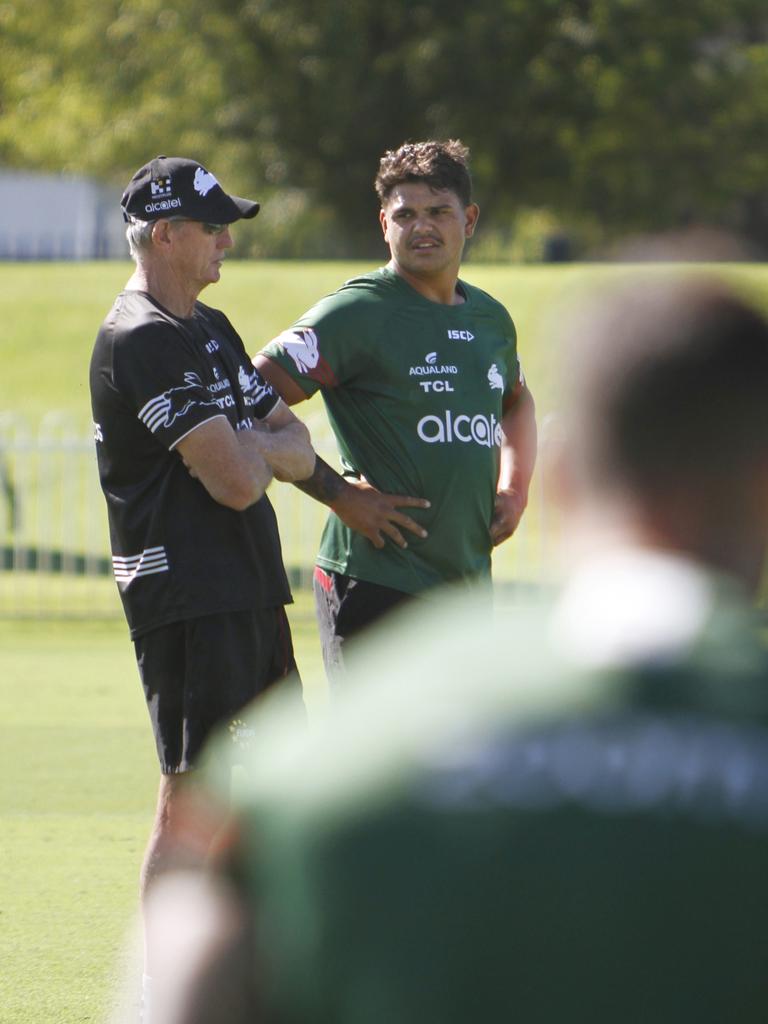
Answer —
507 513
376 515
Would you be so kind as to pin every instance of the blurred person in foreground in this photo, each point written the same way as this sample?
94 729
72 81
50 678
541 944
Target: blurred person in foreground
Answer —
188 438
421 378
560 814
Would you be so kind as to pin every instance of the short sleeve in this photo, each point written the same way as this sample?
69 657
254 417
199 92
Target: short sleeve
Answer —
514 376
161 379
321 349
258 395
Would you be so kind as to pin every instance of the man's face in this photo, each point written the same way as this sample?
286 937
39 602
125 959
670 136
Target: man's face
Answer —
198 252
426 230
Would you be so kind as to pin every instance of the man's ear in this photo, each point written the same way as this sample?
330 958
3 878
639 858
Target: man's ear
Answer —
161 233
383 222
472 214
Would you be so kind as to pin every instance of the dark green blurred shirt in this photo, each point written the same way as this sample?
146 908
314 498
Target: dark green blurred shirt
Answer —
508 821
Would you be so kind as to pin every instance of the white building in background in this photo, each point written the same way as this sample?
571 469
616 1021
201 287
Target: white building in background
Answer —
59 217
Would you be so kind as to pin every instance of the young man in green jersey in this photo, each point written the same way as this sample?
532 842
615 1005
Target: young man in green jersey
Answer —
424 390
561 815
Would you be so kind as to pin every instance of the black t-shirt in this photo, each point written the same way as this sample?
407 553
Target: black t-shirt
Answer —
177 553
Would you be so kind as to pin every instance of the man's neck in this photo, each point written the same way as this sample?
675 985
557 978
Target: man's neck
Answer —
667 526
165 287
440 288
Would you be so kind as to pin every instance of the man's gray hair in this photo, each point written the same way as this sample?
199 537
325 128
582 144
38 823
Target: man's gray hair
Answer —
139 235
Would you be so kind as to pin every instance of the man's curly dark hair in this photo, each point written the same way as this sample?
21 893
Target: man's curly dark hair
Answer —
441 165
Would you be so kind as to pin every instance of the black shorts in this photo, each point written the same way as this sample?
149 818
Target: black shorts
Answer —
200 672
345 606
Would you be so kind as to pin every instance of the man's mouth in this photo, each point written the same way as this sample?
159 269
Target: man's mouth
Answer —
425 243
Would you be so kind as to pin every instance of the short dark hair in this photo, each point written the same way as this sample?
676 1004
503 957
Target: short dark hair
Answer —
667 385
441 165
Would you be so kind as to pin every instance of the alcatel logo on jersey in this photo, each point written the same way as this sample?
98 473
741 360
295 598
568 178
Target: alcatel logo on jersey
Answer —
98 434
461 335
479 429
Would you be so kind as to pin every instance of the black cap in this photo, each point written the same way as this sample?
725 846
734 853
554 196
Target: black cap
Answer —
172 186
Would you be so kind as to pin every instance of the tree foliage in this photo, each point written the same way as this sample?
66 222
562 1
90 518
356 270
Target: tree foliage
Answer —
625 114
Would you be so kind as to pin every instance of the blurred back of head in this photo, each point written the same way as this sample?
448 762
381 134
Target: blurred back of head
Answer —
665 415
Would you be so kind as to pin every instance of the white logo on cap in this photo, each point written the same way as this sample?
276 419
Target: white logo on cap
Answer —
204 181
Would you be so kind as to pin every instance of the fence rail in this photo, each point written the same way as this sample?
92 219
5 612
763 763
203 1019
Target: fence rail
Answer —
55 559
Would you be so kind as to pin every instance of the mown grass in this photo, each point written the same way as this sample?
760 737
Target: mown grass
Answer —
79 775
51 311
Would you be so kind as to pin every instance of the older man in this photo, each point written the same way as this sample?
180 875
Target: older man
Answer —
188 438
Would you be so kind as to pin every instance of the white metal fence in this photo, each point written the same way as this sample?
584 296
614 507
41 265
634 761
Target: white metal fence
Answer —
54 542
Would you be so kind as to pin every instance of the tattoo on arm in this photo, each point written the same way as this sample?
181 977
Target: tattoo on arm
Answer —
324 485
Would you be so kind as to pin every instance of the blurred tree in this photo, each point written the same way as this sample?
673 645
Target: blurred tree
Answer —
98 87
627 114
633 114
671 131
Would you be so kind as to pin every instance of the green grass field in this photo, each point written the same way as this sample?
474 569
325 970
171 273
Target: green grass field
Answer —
79 775
77 761
50 314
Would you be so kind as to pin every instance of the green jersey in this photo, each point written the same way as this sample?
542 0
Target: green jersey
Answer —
529 819
414 392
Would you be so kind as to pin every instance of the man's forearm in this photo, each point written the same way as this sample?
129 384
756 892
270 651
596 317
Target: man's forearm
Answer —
518 449
288 450
362 507
324 485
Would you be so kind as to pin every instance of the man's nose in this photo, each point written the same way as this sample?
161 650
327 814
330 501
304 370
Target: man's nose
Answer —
423 222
